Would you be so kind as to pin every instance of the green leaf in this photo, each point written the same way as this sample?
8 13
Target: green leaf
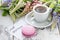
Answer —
4 8
4 13
27 0
13 16
58 1
53 4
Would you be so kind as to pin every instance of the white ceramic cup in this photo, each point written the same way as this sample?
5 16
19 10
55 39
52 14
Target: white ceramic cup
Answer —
41 16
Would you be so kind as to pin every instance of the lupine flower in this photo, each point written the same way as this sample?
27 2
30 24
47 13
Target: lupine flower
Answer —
6 2
59 18
54 13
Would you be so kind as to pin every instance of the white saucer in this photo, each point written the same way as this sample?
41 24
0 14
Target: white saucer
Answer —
30 20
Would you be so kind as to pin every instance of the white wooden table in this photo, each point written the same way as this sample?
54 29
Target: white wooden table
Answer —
43 34
6 22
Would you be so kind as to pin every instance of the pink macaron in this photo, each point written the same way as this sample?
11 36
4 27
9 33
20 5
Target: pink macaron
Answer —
28 30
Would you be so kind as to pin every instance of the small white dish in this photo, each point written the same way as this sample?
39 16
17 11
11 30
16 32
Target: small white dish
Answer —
30 20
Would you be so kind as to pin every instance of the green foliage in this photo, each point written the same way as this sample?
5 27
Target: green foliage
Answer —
27 0
5 12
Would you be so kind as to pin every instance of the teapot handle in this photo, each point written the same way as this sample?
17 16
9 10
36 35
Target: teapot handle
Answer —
48 8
